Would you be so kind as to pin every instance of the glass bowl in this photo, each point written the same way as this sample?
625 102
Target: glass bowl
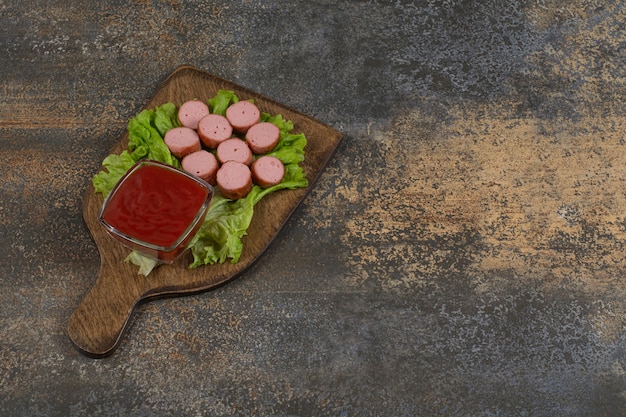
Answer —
156 209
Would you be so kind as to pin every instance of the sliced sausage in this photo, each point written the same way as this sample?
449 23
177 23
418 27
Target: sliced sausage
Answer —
190 113
267 171
202 164
234 180
182 141
263 137
234 149
214 129
242 115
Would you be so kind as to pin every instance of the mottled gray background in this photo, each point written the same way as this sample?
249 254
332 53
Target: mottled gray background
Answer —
462 255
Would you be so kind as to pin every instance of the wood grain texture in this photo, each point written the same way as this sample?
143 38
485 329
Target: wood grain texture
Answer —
98 323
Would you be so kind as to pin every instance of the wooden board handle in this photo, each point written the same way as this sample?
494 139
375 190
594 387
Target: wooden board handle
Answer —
98 323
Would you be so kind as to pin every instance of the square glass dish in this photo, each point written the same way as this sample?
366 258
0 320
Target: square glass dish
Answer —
156 209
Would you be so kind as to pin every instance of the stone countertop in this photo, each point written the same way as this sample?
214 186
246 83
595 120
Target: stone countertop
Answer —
461 255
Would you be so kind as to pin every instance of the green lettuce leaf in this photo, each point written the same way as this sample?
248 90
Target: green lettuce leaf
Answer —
290 147
282 123
145 264
227 221
166 118
146 132
115 167
145 140
221 101
219 237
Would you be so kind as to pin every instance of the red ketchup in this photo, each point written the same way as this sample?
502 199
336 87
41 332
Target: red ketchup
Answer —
156 209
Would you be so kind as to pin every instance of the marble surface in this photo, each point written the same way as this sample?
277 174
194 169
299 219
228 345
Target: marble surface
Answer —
461 255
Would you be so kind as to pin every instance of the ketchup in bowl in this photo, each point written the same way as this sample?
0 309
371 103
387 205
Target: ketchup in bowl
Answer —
156 209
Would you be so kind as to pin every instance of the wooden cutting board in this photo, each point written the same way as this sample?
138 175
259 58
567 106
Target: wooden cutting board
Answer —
98 323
